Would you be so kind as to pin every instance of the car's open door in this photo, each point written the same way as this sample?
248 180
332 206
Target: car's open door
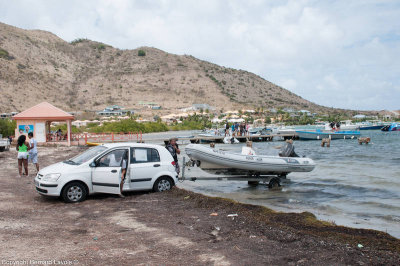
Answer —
106 171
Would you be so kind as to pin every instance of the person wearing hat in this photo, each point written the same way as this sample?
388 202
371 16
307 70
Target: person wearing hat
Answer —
173 148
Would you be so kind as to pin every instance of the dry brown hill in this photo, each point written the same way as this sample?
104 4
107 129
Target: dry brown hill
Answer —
38 66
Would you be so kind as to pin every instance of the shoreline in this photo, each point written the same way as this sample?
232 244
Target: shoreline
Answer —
174 227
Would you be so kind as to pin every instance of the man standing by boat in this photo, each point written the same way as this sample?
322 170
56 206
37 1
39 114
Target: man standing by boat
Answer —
173 148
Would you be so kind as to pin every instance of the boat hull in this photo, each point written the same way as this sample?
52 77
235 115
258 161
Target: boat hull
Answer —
221 162
318 135
378 127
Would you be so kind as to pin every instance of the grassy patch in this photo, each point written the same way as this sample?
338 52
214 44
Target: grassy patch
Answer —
4 54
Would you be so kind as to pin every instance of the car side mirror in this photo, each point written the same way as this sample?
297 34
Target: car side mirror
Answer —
93 164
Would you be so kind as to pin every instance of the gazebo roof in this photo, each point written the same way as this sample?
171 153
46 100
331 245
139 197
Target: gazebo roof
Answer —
44 111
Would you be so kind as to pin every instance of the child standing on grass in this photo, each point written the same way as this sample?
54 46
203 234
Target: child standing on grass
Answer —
33 153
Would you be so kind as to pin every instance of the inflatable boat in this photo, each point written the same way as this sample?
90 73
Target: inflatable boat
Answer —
216 161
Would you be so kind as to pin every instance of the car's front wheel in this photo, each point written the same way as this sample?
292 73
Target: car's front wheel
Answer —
74 192
163 184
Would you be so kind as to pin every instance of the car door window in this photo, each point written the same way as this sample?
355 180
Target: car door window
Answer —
144 155
112 159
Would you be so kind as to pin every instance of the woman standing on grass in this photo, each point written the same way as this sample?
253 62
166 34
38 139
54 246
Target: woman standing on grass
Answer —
22 148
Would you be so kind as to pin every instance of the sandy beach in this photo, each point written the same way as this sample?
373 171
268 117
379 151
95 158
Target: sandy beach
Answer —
176 227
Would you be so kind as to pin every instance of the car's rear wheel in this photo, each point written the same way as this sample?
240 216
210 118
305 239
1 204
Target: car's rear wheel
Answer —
163 184
74 192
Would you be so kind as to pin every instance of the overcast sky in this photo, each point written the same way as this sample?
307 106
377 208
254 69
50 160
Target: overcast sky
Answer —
335 53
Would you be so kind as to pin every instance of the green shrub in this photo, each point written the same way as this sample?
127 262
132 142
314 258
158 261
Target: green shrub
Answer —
101 46
79 40
141 53
4 54
129 125
7 127
192 123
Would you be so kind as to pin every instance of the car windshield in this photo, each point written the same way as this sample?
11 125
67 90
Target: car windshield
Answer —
87 155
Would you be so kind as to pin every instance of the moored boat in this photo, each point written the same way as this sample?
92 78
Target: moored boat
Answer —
371 125
318 134
259 131
344 125
391 127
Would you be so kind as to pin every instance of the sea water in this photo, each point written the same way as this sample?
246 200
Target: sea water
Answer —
353 185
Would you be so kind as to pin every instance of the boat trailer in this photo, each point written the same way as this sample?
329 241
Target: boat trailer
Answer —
272 181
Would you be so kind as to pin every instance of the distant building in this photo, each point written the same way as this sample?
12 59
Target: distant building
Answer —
231 113
202 106
150 105
306 112
197 107
359 116
114 110
273 110
249 111
7 115
288 110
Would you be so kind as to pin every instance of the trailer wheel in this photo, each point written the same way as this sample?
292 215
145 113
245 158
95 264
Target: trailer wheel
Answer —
253 183
274 183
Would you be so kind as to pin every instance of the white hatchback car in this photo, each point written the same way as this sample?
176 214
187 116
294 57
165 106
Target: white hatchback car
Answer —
98 170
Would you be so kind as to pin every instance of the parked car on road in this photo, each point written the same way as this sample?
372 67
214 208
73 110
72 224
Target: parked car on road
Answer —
4 144
149 167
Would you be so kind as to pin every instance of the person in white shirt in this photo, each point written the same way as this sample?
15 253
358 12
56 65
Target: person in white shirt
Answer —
33 152
248 150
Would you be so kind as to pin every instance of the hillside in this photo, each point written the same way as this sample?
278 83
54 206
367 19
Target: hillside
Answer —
38 66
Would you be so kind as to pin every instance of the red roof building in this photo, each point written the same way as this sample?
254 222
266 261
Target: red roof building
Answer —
38 119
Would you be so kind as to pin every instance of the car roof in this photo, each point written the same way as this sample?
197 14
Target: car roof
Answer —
130 144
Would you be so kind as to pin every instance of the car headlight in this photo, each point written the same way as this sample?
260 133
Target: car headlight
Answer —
51 177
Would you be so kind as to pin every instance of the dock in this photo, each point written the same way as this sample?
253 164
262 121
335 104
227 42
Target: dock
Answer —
219 138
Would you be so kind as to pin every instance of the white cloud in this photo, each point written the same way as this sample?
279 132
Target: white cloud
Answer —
336 53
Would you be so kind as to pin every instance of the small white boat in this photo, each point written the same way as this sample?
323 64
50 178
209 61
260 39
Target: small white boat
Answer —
231 140
222 162
286 130
343 125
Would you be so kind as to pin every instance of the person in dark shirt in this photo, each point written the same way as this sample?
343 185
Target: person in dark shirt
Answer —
227 127
173 148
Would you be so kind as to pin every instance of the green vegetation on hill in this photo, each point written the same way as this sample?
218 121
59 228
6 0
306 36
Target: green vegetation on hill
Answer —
141 53
129 125
190 125
193 122
79 40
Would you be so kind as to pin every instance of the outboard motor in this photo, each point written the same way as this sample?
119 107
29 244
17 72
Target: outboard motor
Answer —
287 151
